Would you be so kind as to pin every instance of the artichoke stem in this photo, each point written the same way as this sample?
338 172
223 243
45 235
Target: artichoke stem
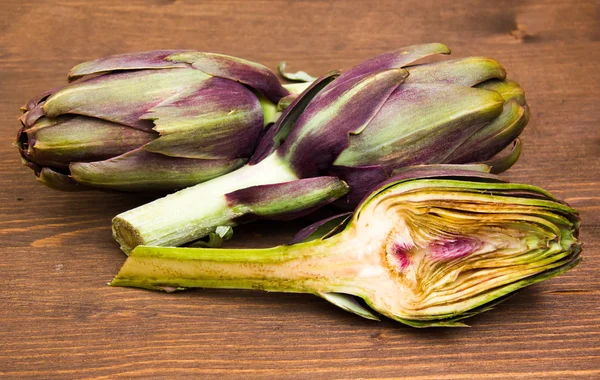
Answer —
196 211
311 267
270 112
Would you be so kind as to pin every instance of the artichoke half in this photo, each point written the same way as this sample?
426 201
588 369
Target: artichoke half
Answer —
431 247
153 121
344 135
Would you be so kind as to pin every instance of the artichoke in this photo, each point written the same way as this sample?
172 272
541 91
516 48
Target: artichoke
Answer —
153 121
431 247
359 127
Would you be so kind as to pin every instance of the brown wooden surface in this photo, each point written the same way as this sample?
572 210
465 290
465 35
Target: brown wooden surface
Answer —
58 319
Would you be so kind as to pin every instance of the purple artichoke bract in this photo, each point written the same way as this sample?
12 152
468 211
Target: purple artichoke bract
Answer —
159 120
360 127
431 247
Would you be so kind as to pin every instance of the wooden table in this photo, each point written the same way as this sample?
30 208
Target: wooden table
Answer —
58 319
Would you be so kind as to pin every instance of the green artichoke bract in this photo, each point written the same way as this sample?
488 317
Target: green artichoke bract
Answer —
360 127
159 120
425 251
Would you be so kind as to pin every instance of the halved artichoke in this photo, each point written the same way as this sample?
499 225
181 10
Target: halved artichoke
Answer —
434 245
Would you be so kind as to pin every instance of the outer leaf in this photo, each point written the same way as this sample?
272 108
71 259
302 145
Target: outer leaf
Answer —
249 73
281 130
59 181
322 229
128 61
36 112
421 124
505 159
361 179
220 120
494 136
508 89
58 142
462 72
124 97
287 200
33 102
320 132
348 302
142 170
393 59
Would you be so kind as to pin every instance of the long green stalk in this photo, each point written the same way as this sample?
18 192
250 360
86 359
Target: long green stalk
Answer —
194 212
311 267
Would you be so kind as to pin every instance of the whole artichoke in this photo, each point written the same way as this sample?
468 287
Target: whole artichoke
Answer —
378 117
431 247
160 120
385 114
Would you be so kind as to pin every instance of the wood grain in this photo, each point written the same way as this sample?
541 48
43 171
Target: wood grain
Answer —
58 319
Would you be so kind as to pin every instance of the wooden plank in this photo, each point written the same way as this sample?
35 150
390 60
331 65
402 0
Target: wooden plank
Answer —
58 319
